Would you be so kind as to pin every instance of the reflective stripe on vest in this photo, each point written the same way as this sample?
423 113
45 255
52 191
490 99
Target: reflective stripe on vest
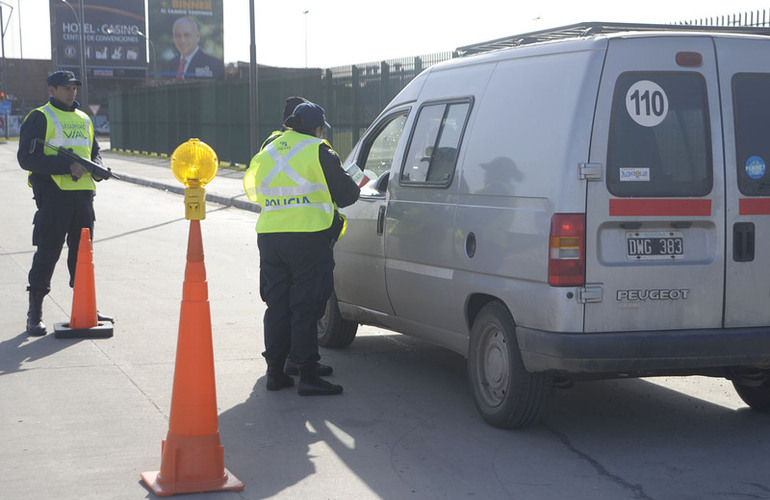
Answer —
73 130
290 188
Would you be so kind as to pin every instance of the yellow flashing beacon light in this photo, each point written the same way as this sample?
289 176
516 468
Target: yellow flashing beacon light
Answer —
194 164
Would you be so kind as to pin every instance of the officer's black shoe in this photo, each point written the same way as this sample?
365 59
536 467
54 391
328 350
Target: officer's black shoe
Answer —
104 317
291 368
276 378
36 329
278 381
310 384
35 325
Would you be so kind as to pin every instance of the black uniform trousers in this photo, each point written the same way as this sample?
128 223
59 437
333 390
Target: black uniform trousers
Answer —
60 216
296 281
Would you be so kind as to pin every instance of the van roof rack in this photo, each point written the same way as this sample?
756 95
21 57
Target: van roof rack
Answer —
594 28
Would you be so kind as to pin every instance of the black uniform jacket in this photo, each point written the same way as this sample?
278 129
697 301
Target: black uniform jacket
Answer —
43 166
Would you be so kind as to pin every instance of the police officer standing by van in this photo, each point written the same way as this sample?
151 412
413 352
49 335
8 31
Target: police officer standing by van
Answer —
291 103
299 183
63 189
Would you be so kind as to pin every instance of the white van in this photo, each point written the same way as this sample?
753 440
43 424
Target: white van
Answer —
593 201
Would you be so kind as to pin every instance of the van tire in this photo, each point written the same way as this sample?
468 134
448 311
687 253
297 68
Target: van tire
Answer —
757 397
333 330
506 395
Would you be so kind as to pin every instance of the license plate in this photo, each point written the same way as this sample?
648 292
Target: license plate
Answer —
663 245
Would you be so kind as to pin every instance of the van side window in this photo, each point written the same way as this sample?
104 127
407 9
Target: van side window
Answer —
434 144
659 136
751 102
379 149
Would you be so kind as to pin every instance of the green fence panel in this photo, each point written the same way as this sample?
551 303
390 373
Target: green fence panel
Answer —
158 118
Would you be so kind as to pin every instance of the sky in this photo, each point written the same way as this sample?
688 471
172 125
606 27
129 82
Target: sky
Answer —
329 33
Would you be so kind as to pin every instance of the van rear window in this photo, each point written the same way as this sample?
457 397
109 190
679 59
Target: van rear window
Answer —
659 136
751 102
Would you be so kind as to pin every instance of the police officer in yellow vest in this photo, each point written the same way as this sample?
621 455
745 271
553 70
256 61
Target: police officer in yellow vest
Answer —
291 103
298 182
63 190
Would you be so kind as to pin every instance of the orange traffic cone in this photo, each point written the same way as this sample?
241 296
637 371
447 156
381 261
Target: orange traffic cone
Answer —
192 458
83 320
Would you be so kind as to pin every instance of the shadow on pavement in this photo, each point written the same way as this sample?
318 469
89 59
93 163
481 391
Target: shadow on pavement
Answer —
407 426
23 348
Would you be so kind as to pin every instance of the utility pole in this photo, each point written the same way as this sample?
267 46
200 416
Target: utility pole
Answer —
83 60
5 68
253 100
305 14
83 75
21 59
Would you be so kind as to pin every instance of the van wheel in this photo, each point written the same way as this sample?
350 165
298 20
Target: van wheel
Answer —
506 395
756 396
333 329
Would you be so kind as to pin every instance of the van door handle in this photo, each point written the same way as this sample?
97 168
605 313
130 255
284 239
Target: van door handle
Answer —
381 220
743 241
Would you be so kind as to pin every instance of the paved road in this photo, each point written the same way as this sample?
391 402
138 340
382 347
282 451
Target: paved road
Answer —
81 419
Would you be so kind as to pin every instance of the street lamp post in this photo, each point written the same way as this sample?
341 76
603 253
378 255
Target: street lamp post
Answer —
5 68
253 83
154 55
305 14
21 59
81 31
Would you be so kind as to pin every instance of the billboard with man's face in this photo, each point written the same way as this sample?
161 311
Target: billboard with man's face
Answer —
188 38
115 44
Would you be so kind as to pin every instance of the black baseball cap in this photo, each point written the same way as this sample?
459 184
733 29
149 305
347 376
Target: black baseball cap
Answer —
307 116
61 77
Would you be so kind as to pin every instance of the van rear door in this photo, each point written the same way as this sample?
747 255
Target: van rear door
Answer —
744 72
655 223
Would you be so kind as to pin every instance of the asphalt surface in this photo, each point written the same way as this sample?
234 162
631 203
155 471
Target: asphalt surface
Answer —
83 418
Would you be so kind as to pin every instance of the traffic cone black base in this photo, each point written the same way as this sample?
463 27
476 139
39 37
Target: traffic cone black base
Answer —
100 331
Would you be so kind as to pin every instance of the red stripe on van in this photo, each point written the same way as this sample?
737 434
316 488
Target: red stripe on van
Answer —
653 206
754 206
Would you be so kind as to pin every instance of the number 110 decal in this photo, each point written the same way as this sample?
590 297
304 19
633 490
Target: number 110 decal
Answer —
647 103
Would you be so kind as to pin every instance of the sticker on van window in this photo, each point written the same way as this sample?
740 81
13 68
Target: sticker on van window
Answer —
647 103
755 167
634 174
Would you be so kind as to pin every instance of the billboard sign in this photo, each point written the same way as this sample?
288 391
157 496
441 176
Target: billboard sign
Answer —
187 36
114 36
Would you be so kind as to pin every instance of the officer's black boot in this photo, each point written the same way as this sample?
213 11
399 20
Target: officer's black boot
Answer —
291 368
35 325
276 378
104 317
311 384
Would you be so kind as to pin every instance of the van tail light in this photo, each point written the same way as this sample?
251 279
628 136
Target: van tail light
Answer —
567 256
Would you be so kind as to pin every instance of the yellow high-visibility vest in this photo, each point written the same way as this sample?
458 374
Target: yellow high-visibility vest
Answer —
73 130
288 182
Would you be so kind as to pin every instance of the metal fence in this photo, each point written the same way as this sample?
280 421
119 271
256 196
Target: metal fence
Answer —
157 119
752 18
